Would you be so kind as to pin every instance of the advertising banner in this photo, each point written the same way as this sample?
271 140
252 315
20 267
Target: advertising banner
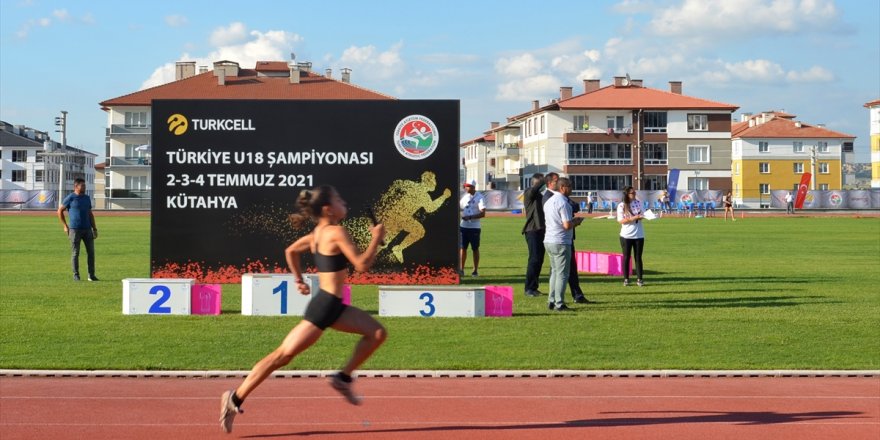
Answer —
835 199
672 185
813 200
496 200
859 199
227 173
802 191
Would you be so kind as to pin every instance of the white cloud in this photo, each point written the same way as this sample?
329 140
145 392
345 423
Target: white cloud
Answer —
88 18
593 55
372 64
176 20
527 89
589 73
450 58
44 22
722 18
518 66
813 74
259 46
61 14
232 34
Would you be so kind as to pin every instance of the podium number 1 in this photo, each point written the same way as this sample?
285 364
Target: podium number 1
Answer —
282 290
157 306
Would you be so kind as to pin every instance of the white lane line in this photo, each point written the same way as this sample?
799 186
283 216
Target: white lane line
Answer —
482 397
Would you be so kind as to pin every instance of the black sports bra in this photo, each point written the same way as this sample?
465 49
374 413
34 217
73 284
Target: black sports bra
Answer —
330 263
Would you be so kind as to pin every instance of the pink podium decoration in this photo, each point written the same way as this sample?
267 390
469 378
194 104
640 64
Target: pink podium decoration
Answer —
600 262
346 294
499 301
205 299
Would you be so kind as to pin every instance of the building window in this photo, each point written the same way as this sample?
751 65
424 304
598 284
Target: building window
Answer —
736 169
798 168
600 183
615 122
797 146
823 186
764 188
698 122
38 175
655 122
599 154
763 147
823 167
823 147
580 123
19 175
19 155
698 183
542 124
136 119
698 154
764 167
655 153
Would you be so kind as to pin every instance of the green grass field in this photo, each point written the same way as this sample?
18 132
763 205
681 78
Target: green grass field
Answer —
761 293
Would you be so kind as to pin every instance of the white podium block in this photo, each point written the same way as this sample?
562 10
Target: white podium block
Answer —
268 294
430 301
156 296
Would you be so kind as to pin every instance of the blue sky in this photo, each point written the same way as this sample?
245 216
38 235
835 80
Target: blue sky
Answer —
818 59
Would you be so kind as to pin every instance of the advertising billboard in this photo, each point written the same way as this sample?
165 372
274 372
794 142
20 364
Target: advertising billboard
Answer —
226 175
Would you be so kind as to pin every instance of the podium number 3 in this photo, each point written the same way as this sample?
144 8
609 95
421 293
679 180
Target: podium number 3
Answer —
157 306
429 303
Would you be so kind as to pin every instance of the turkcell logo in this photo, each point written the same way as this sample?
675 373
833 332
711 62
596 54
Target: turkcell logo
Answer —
179 124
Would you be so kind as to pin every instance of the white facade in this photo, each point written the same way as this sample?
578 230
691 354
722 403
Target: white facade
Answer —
128 174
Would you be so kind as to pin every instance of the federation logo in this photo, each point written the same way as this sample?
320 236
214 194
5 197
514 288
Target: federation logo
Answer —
686 198
177 124
416 137
835 199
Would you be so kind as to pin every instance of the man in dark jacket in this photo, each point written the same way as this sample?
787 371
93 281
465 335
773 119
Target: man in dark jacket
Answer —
534 233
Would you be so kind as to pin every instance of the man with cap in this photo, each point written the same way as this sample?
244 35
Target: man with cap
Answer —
473 208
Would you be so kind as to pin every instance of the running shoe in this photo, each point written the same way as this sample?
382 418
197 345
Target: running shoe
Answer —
228 410
344 388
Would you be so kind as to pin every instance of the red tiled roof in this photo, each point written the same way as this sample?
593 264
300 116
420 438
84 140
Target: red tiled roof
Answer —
783 128
271 66
486 138
612 97
247 85
873 103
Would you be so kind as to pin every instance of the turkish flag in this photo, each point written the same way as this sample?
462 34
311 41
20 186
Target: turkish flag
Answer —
802 191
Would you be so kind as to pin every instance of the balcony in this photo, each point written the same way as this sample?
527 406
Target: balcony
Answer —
127 193
130 161
627 161
123 130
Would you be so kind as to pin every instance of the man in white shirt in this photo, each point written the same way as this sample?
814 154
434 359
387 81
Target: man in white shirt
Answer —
473 208
789 203
559 225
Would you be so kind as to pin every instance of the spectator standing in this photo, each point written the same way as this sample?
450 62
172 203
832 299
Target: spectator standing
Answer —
559 223
82 227
789 203
574 281
632 236
533 231
473 208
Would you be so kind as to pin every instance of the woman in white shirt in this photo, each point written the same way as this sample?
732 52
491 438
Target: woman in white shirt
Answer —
632 237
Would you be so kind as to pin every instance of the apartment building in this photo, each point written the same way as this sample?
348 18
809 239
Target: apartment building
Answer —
476 162
874 109
31 161
772 150
129 127
623 134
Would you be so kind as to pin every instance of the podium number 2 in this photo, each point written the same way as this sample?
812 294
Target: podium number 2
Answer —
429 303
282 290
157 306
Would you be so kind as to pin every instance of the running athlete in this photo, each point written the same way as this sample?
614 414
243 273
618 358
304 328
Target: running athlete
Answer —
333 250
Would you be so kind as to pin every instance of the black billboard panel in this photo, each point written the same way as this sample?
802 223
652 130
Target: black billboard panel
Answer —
226 175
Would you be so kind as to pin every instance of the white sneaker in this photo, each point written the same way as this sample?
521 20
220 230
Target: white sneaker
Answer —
344 388
228 410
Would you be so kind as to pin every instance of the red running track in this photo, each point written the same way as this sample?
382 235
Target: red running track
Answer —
445 408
